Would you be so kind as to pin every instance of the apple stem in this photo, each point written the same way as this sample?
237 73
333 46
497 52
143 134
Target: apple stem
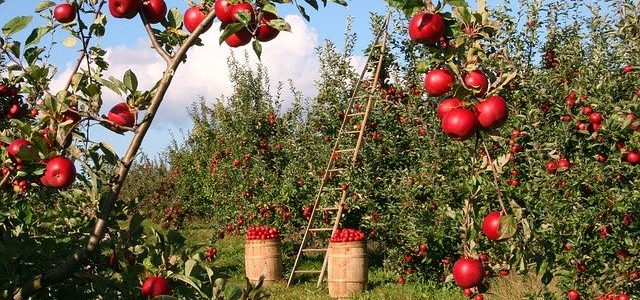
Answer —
495 178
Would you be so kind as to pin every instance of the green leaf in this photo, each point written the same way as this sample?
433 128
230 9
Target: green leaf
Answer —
303 13
341 2
16 24
257 48
188 267
130 81
507 227
313 3
44 5
174 19
36 35
457 3
229 30
70 41
32 54
14 47
280 25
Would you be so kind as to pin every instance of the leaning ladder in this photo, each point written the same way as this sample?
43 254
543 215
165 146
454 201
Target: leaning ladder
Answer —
354 110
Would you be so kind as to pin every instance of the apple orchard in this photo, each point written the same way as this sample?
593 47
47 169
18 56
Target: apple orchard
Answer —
504 143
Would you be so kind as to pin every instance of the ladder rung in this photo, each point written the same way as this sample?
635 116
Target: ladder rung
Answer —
307 271
315 250
337 170
331 189
356 114
321 229
329 208
346 150
352 132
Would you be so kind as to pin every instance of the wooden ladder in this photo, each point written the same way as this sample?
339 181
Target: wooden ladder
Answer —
354 110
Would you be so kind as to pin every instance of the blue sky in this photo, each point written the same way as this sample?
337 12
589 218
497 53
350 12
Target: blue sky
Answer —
291 55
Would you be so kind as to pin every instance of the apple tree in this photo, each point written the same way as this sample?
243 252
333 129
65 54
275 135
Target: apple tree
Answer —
60 187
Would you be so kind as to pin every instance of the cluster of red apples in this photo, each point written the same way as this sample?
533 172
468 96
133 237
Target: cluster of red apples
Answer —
263 233
59 171
154 11
458 121
343 235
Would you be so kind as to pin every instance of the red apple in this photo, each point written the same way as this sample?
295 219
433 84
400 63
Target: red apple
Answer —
492 112
64 13
15 147
595 118
467 272
477 80
264 32
633 157
124 8
459 123
223 11
59 173
602 158
438 82
447 105
245 7
155 286
239 38
551 167
587 110
193 17
426 28
573 295
491 225
623 296
154 10
563 164
123 115
627 68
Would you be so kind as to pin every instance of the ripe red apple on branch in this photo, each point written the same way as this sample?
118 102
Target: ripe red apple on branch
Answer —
193 16
155 286
467 272
438 82
426 28
122 115
64 13
154 10
124 8
60 172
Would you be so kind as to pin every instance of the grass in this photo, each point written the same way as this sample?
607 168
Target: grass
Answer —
382 284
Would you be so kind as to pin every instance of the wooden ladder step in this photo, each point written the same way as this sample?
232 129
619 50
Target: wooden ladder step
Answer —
356 114
328 189
333 208
307 271
321 229
346 150
314 250
337 170
352 132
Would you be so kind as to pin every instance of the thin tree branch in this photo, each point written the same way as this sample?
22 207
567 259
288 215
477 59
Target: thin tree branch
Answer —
495 177
83 52
154 41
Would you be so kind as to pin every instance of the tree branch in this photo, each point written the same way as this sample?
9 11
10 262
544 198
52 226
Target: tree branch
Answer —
154 41
83 52
73 263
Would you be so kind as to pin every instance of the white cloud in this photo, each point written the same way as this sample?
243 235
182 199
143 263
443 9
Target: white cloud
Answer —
292 55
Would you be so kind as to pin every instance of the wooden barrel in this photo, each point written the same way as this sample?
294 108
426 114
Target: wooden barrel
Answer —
347 272
263 257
